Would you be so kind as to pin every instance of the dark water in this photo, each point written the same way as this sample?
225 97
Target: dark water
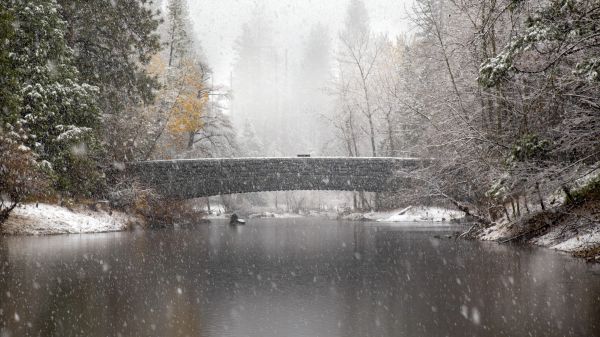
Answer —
291 278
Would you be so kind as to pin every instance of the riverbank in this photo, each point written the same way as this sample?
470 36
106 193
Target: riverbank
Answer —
46 219
410 214
573 228
261 215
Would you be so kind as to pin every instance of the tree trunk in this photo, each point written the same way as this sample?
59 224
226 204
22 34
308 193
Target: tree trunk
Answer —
172 43
537 189
190 144
392 149
5 213
506 212
369 114
512 205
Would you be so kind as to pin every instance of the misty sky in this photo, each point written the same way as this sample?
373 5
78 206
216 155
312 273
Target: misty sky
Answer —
218 23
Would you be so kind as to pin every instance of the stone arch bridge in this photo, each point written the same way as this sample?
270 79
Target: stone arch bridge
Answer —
194 178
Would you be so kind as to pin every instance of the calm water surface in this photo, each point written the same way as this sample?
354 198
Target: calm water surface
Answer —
304 277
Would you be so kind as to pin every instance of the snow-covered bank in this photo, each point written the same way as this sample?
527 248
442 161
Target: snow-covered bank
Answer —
44 219
567 232
409 214
275 215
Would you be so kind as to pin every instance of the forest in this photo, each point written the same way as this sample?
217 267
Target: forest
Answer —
503 94
267 168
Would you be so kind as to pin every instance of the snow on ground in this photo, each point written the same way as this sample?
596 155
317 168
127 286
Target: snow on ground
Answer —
276 215
215 216
580 242
409 214
222 214
558 238
429 214
44 219
497 232
216 212
570 242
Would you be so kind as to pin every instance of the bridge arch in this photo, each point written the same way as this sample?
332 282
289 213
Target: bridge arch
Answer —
194 178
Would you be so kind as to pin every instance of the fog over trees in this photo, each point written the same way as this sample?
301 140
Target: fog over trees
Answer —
502 94
278 92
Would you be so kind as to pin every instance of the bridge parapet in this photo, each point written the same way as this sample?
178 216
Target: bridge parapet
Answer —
195 178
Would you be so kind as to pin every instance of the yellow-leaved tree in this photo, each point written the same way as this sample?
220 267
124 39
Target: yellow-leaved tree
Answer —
188 108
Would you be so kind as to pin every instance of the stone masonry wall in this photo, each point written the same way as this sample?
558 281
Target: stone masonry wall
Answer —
208 177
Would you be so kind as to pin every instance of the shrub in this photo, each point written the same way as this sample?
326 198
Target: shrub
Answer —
153 208
21 175
529 147
589 192
76 164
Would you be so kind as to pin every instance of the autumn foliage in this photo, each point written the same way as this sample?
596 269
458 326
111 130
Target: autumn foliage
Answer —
186 114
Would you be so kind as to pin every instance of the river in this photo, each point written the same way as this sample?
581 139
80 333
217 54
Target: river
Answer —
291 277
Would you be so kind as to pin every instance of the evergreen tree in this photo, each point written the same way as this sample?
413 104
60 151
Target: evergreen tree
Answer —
258 87
178 40
251 146
58 110
113 40
357 25
311 96
9 98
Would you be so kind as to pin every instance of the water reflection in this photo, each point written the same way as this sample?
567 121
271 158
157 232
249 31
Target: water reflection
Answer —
290 278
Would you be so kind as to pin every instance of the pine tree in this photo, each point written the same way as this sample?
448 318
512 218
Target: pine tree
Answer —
57 109
250 144
258 88
9 98
113 40
357 25
178 40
